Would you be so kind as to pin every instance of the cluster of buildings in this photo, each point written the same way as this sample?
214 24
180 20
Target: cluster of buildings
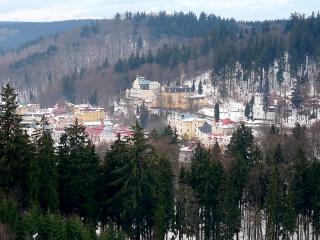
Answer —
205 130
181 101
155 96
189 113
62 115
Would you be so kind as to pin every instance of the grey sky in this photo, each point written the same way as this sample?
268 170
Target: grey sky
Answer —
48 10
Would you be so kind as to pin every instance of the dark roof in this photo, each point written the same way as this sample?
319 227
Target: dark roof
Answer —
178 89
206 128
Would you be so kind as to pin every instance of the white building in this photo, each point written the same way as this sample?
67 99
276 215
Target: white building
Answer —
144 90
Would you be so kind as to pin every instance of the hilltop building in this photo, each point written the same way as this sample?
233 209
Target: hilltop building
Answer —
144 90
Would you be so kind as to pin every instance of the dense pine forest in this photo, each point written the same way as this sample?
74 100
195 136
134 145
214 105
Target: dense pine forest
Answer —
258 188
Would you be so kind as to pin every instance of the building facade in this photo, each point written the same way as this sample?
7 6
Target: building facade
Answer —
144 90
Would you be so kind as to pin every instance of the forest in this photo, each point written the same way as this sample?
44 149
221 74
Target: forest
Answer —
233 51
265 187
239 55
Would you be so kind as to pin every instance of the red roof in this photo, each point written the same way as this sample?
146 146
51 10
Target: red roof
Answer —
227 121
94 131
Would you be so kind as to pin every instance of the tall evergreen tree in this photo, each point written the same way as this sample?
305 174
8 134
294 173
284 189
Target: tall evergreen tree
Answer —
216 112
193 87
274 205
47 162
18 167
143 115
200 89
78 168
248 111
241 149
206 180
139 187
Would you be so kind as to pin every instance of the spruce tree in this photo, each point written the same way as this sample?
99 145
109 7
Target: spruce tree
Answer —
313 176
78 168
200 89
296 97
164 211
138 187
241 151
18 167
241 144
281 68
193 87
143 115
216 112
274 205
289 215
48 173
206 180
112 190
248 111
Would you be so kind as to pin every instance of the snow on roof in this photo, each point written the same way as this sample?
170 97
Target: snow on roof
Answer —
108 123
207 112
143 81
194 119
198 96
93 123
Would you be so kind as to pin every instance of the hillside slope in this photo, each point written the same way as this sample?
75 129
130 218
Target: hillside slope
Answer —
85 52
104 56
22 34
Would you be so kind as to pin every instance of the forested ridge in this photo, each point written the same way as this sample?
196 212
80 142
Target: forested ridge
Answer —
240 51
237 54
166 48
259 188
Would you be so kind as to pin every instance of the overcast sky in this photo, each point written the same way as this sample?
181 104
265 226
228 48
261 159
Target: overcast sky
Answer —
49 10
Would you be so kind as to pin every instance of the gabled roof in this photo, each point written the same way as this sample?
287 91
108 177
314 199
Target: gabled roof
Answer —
206 128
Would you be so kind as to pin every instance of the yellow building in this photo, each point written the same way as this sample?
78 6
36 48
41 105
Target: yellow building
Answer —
176 97
86 113
31 107
185 124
